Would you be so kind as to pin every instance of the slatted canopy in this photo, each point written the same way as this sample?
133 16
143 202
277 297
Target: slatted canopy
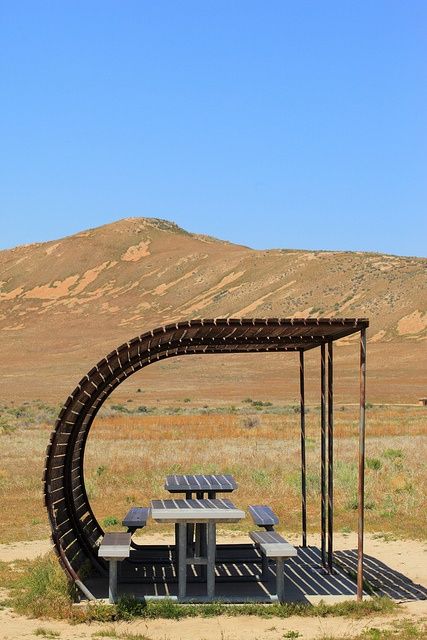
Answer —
76 533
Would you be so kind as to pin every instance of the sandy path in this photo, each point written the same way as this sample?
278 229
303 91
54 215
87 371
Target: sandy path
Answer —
24 550
221 628
409 557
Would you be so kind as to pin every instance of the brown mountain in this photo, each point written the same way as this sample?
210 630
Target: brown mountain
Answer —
66 303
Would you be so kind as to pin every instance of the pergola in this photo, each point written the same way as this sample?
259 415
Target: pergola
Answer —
76 533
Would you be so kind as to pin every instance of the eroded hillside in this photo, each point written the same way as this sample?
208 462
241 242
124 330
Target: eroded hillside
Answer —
65 303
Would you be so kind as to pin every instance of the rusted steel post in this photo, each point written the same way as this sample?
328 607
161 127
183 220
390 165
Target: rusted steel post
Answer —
323 451
361 487
303 467
330 454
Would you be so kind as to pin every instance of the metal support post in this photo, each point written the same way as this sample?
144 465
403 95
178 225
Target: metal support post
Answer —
361 487
323 452
303 464
330 455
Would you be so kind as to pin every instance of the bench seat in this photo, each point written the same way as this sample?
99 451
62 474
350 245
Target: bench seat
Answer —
136 518
114 547
272 544
263 516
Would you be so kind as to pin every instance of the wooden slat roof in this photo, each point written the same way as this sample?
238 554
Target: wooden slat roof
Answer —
258 334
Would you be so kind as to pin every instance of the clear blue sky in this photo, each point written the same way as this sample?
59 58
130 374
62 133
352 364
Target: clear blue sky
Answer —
270 123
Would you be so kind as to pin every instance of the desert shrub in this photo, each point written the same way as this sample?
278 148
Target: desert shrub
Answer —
120 408
261 477
46 633
393 454
345 475
6 426
110 521
373 463
91 488
403 630
250 422
312 480
389 507
352 504
128 607
43 590
95 612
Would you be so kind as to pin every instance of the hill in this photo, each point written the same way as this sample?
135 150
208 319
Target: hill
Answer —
66 303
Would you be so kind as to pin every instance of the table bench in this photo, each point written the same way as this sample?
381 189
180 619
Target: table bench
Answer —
136 518
273 545
263 516
114 547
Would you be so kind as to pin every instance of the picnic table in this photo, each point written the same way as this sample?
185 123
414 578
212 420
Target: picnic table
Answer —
199 486
196 511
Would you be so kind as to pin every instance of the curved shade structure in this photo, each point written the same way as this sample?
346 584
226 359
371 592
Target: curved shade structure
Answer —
75 531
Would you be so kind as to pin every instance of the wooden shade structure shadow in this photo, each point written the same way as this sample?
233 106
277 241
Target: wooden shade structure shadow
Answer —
76 533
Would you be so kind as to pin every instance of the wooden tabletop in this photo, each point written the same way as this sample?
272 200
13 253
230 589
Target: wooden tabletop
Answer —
209 510
194 483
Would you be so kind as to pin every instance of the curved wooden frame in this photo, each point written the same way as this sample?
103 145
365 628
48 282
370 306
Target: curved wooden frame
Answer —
76 534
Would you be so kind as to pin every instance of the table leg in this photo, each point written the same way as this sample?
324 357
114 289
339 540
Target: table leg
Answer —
203 533
199 550
211 544
198 542
182 561
176 538
204 536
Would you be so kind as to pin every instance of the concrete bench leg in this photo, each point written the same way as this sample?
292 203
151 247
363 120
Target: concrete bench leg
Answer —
182 560
112 581
280 579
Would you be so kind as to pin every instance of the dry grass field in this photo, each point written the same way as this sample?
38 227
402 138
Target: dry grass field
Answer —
129 454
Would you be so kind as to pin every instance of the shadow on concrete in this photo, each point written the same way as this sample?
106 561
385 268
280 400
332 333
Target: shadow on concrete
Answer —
151 572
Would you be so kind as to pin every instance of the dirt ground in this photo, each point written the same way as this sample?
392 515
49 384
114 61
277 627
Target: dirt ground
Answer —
407 557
